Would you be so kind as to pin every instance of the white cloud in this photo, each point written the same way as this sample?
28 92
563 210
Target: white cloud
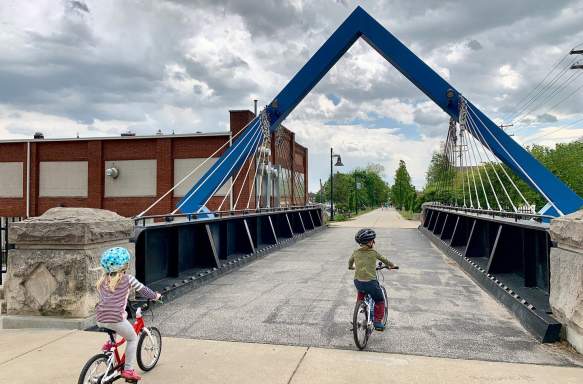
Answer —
509 78
178 79
360 146
181 65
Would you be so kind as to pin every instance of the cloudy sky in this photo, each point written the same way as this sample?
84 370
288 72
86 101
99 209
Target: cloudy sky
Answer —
100 67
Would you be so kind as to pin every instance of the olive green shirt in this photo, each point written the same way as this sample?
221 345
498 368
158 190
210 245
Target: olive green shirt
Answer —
365 259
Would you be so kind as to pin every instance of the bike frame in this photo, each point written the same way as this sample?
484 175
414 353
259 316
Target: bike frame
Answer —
369 302
113 352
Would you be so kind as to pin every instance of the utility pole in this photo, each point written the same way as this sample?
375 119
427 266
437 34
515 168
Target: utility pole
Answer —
577 65
502 126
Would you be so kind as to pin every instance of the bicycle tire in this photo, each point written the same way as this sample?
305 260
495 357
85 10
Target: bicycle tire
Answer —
88 364
355 328
144 337
386 314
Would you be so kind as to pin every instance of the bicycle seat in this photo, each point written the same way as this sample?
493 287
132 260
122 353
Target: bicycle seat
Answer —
106 330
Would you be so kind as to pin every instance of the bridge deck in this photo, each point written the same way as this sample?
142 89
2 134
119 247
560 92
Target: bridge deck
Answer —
303 295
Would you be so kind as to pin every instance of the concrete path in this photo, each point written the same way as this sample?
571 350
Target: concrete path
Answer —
379 218
40 357
303 295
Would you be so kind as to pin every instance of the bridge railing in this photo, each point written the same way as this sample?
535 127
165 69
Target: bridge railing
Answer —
143 220
175 251
507 253
5 246
516 216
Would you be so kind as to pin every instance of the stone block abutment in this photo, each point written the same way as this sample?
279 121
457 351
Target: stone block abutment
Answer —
566 262
53 269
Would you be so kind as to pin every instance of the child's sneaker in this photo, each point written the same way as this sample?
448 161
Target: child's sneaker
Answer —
379 326
130 375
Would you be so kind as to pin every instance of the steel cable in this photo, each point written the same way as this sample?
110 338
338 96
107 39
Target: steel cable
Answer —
250 144
524 173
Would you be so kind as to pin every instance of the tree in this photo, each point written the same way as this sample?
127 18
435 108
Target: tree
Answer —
402 191
455 185
373 189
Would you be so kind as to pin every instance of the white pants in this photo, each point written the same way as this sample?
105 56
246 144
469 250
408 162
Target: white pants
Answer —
126 330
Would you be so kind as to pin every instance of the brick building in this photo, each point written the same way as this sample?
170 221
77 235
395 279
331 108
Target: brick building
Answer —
39 174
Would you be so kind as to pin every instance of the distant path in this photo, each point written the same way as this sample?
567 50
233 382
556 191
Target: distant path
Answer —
379 218
303 295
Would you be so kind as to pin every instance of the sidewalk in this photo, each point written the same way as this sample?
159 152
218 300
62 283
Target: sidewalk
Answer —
41 356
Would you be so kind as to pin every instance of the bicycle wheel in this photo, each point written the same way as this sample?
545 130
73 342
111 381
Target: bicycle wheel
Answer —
94 370
149 349
386 314
360 325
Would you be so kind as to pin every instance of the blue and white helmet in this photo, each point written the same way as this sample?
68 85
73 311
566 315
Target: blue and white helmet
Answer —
114 259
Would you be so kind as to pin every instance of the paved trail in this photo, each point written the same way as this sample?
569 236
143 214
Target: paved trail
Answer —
303 295
301 298
385 218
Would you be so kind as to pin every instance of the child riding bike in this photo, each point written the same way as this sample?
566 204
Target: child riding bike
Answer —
365 280
113 288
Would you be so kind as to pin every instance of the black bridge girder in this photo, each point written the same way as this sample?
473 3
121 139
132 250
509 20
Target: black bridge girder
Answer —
171 249
509 258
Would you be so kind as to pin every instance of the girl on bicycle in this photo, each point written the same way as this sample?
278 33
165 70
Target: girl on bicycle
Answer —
365 278
113 289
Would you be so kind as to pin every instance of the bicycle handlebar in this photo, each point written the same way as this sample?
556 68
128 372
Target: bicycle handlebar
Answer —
134 304
386 267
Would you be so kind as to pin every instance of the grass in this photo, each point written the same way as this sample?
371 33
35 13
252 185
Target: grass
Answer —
340 217
409 215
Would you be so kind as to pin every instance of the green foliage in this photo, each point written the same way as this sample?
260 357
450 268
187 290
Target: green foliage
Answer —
373 190
447 184
403 194
340 217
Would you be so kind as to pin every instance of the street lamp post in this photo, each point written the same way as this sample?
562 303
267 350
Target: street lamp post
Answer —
338 164
356 185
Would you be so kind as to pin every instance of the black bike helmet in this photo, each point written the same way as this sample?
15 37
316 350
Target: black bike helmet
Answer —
365 235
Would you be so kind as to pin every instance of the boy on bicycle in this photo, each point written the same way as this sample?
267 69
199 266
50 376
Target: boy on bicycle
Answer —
365 278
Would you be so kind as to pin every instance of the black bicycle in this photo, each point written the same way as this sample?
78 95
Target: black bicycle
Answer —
362 320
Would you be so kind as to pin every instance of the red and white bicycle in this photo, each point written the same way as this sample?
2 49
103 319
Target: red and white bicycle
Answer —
106 367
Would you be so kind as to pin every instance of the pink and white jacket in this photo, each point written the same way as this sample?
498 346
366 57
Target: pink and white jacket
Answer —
112 304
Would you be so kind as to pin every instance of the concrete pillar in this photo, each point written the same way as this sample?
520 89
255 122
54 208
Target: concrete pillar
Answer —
55 264
566 261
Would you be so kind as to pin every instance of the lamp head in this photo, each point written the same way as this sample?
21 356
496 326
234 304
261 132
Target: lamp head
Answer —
339 162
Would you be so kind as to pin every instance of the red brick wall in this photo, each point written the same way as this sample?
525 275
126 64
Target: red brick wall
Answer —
95 172
164 149
14 152
239 119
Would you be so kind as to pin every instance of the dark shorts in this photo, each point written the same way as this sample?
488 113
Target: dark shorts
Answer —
372 288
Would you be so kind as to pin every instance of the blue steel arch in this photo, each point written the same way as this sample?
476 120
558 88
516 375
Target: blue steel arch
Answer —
361 25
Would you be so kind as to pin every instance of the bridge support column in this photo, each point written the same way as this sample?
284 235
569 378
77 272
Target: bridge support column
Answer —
54 267
566 283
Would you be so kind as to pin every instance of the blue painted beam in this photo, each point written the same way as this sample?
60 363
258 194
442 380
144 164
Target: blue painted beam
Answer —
361 24
226 166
